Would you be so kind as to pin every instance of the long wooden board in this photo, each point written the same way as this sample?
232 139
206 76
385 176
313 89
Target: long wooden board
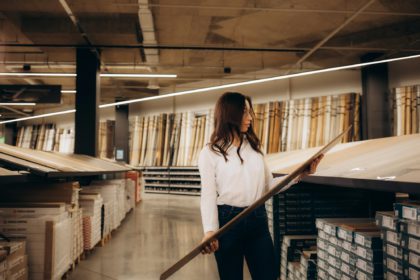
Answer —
280 187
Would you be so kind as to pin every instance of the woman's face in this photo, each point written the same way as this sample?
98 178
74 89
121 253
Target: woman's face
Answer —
246 118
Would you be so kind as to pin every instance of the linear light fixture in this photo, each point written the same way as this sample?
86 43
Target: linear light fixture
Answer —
105 75
17 104
68 91
24 74
228 86
276 78
40 116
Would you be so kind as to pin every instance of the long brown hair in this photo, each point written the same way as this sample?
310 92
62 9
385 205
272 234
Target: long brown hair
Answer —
227 122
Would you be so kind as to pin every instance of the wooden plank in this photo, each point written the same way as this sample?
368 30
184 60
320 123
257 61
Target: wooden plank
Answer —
49 256
281 187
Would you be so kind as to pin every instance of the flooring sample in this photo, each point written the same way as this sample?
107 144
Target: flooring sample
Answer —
391 159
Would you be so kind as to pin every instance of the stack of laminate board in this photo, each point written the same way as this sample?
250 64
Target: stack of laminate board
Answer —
106 139
67 193
292 264
46 137
401 237
349 249
116 196
13 260
92 212
169 139
46 227
294 212
406 109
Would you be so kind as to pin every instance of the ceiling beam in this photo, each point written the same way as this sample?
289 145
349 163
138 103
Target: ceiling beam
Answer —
331 34
270 9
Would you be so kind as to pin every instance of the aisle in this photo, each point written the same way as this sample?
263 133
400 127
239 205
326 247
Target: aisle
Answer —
159 231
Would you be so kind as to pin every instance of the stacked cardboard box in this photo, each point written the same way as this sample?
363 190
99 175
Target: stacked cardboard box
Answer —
13 260
349 249
401 236
294 212
92 211
46 227
291 253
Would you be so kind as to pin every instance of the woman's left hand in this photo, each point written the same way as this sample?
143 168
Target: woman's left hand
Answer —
311 168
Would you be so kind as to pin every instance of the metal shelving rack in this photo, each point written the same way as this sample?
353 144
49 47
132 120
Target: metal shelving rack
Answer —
172 179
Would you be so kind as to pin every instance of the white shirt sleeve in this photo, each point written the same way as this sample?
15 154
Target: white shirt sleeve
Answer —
271 182
209 213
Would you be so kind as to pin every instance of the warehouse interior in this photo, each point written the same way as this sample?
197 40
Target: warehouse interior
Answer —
106 105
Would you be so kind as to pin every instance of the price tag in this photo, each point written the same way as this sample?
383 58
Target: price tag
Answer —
409 213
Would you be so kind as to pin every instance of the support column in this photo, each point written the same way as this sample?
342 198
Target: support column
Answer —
375 113
121 133
87 101
10 131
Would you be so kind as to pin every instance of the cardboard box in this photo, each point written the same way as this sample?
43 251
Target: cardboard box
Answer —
368 239
387 220
408 210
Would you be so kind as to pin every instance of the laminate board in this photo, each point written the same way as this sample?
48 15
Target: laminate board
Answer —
387 160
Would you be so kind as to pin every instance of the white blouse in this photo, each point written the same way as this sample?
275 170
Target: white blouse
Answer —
231 182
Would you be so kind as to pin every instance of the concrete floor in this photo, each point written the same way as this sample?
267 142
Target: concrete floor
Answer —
161 230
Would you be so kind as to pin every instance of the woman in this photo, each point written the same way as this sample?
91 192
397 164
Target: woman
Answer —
233 176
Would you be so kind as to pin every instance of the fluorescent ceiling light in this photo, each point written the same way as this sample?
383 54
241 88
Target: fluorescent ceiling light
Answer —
139 75
105 75
39 74
276 78
68 91
17 104
40 116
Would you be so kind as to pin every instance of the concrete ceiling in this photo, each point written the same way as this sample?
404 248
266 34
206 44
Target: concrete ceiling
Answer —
196 39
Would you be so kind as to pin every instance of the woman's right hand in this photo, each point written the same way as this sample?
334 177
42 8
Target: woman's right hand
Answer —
211 247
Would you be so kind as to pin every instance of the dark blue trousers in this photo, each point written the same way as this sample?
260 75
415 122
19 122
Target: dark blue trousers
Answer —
250 239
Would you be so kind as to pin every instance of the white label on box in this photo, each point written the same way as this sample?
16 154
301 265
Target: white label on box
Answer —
347 245
345 257
329 229
392 237
321 244
393 265
359 239
413 273
331 250
361 276
362 252
321 264
362 264
414 244
388 222
345 268
409 213
392 251
331 270
391 276
414 259
414 229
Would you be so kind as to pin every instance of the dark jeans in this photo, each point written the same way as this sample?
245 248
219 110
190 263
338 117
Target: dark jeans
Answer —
250 239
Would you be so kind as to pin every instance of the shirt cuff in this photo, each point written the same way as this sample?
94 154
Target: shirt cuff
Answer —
208 228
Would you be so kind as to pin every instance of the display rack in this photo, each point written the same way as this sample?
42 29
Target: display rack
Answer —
172 180
55 165
347 184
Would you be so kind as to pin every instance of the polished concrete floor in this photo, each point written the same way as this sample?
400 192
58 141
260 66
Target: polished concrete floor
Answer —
161 230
